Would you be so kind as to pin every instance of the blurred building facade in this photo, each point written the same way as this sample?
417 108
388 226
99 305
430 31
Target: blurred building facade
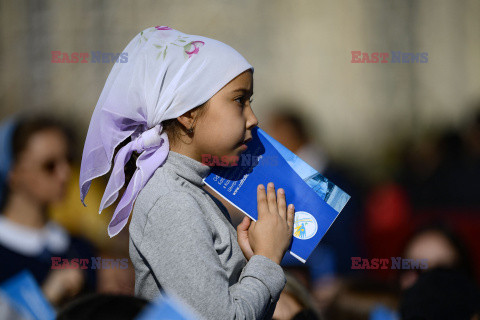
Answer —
300 50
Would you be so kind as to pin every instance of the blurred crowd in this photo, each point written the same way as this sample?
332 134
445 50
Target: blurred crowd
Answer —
427 209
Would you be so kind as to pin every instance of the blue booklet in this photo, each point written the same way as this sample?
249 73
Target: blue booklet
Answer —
168 307
317 200
24 294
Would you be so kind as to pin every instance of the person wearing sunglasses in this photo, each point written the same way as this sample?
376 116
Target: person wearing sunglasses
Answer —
35 158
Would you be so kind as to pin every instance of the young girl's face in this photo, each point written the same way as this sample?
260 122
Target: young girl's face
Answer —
228 120
43 170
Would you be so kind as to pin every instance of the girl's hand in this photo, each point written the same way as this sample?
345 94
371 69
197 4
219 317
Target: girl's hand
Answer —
242 237
271 234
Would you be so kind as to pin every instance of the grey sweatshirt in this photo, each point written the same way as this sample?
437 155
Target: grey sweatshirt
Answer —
182 241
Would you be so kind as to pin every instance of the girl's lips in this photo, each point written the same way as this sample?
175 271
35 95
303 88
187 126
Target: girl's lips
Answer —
243 145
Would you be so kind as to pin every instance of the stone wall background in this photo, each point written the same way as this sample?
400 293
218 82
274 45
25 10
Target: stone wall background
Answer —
301 51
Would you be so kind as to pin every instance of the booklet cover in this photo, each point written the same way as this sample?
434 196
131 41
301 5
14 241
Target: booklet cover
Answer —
25 296
317 200
168 307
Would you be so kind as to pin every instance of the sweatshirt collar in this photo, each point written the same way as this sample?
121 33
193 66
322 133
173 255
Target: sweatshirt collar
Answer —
188 168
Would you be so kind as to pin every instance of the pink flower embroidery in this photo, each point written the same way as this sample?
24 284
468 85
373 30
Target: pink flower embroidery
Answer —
196 47
163 28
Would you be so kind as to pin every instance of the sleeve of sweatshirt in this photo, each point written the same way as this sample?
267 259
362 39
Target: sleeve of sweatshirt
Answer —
178 245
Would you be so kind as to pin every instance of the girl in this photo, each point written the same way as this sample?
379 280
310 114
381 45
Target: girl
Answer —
34 171
179 97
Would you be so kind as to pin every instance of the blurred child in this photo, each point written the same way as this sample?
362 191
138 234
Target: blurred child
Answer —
34 171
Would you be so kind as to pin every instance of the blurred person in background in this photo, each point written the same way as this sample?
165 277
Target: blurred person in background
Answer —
442 170
288 127
364 299
471 136
34 170
296 302
441 247
439 294
437 178
103 307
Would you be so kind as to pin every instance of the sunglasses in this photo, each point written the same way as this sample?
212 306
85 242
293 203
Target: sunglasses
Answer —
49 166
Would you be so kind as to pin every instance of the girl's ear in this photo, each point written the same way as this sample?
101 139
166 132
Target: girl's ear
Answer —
188 119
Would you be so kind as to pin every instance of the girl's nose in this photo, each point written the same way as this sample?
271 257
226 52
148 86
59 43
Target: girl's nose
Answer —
252 120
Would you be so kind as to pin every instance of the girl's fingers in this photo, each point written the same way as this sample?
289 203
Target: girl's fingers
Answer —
281 203
244 225
262 206
290 216
271 199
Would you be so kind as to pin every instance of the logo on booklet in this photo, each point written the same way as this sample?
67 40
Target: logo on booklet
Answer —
305 225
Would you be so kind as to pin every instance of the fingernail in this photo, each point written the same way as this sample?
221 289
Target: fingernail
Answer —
290 206
270 184
260 186
281 191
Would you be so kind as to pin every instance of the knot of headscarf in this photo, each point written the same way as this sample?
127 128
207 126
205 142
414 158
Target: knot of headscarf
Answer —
148 139
167 74
153 148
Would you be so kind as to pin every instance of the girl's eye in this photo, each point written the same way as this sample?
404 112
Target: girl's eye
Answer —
242 100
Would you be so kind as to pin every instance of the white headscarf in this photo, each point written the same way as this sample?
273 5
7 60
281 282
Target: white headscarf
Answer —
166 73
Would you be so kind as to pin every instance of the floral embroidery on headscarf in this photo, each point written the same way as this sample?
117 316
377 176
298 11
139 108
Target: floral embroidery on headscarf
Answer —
196 45
160 28
189 49
142 37
163 28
